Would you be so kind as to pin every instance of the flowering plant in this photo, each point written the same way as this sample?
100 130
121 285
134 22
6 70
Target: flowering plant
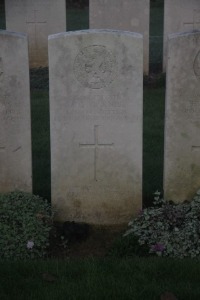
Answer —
25 224
169 229
30 244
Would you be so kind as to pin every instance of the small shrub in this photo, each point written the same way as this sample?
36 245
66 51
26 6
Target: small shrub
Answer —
169 229
25 224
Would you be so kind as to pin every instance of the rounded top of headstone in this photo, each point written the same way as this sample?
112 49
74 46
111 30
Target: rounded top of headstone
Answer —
95 31
13 34
183 34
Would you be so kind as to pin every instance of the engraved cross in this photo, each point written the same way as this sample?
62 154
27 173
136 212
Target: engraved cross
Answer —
195 23
35 19
96 146
35 22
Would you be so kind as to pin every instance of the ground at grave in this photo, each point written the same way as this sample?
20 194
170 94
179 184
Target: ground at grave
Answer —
97 243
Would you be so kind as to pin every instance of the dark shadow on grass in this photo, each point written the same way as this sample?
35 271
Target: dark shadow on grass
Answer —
153 137
40 132
2 15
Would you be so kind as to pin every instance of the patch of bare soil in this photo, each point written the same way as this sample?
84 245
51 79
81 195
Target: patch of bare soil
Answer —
96 244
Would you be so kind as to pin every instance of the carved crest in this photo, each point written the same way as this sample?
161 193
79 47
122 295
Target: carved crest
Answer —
95 67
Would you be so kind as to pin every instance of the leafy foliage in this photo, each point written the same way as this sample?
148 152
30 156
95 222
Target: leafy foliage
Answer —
169 229
25 224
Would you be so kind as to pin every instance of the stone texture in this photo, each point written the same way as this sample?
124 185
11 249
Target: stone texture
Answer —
96 125
15 125
179 16
129 15
38 18
182 122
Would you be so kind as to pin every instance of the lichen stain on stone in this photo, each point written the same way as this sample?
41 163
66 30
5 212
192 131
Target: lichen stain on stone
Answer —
77 203
184 135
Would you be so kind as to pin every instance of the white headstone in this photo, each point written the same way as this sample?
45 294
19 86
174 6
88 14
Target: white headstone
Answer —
96 125
179 16
37 18
182 120
129 15
15 124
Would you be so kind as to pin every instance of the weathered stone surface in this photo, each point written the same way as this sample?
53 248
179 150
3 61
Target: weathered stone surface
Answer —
15 125
96 125
38 18
129 15
179 16
182 128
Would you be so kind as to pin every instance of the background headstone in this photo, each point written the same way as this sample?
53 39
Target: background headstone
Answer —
15 124
182 120
96 125
129 15
179 16
38 18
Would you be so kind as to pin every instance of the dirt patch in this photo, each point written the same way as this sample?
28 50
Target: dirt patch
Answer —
97 244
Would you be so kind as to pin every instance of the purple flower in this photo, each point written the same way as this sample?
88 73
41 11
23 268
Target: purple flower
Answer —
158 247
30 244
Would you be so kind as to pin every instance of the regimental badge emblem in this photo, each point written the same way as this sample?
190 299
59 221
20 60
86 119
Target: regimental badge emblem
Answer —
95 67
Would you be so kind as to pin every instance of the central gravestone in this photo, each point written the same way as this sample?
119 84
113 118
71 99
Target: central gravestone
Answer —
96 125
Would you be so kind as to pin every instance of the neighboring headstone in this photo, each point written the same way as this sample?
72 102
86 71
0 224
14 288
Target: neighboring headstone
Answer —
129 15
15 124
182 120
96 125
37 18
179 16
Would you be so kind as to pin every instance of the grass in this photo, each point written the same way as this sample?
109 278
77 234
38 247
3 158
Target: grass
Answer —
153 142
156 36
40 143
77 19
2 15
134 278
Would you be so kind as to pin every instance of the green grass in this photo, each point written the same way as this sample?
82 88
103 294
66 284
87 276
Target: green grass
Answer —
136 278
77 19
156 36
2 15
153 140
156 18
40 143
